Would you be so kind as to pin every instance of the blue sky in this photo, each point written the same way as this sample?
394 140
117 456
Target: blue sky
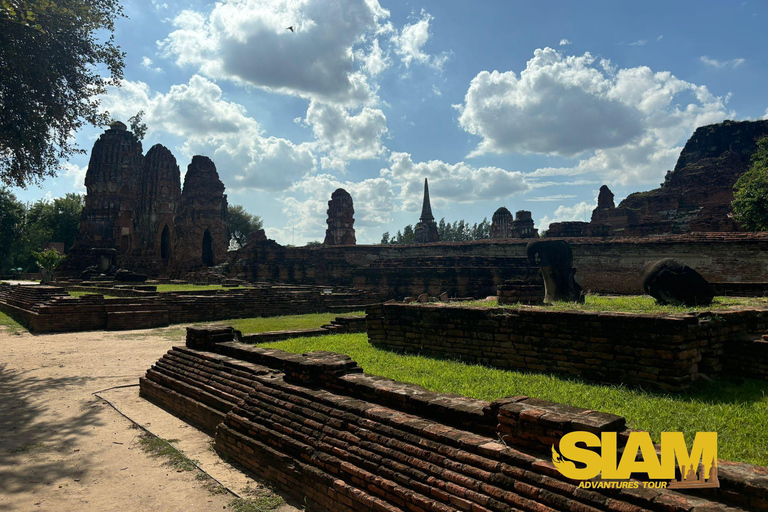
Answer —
528 105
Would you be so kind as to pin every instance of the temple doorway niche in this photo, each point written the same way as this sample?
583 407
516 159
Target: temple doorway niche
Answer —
207 249
165 244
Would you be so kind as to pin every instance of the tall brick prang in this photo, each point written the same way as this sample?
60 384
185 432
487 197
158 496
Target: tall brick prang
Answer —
201 224
341 219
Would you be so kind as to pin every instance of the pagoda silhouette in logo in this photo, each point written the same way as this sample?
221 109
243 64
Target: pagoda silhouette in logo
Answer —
696 480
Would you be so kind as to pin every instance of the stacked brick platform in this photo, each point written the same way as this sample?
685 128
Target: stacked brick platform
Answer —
338 439
49 309
200 387
666 352
521 292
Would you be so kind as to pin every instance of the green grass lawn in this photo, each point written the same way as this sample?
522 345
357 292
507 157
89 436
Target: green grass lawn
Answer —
737 411
194 287
637 304
80 294
272 323
12 325
285 323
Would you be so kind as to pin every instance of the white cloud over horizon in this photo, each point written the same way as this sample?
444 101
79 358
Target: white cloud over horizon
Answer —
450 183
581 211
624 125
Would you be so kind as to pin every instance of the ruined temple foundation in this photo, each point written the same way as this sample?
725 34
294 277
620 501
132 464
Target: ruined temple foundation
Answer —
340 440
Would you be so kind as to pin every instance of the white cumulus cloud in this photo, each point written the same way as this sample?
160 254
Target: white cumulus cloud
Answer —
147 63
409 44
564 42
625 125
344 136
76 174
247 42
244 156
579 212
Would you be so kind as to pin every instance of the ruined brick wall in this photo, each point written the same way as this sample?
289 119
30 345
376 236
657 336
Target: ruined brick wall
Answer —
697 194
49 309
340 440
656 351
613 265
604 265
461 269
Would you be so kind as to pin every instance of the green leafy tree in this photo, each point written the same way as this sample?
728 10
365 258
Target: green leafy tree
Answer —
459 231
53 68
750 204
11 224
314 243
137 127
48 260
57 220
240 224
408 236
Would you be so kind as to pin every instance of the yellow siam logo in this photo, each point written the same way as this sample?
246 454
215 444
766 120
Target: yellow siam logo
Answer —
584 455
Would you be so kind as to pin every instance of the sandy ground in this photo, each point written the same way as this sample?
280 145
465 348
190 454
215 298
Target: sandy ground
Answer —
64 449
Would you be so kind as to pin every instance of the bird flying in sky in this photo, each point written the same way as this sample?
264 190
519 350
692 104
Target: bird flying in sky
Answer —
290 28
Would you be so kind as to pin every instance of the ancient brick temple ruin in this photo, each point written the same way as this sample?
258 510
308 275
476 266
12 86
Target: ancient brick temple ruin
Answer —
504 226
695 196
136 215
426 228
340 219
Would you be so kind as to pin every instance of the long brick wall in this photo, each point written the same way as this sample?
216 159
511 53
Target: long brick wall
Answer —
340 440
604 265
50 309
660 351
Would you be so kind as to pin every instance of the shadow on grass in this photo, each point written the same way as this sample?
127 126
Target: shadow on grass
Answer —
29 432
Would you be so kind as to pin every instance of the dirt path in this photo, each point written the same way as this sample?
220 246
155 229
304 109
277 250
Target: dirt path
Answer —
62 449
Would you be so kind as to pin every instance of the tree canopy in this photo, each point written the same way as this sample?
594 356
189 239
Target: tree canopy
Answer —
25 228
750 204
51 67
240 224
459 231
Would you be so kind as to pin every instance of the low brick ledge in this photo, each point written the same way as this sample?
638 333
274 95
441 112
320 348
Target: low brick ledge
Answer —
526 427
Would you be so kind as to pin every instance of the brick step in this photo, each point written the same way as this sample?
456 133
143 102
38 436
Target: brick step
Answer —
353 444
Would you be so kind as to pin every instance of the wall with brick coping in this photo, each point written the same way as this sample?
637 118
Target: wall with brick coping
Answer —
604 265
325 432
666 352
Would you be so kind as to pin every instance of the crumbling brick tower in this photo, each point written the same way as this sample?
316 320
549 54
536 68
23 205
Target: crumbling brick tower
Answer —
136 215
201 223
341 219
112 182
501 223
158 203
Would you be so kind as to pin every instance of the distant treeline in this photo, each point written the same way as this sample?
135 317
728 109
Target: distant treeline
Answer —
459 231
